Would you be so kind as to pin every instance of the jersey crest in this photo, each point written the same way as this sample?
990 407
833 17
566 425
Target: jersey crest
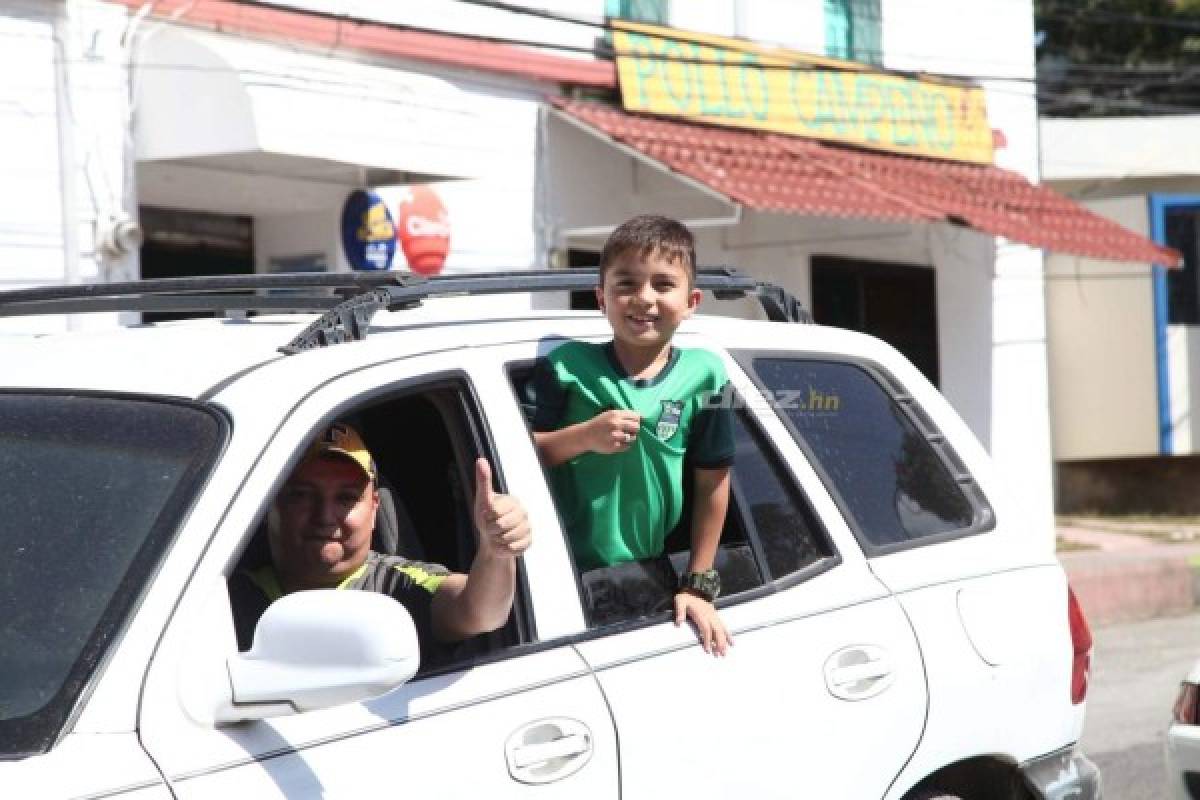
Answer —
668 420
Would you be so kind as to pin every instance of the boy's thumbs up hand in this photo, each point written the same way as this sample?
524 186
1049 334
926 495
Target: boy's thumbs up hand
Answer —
500 519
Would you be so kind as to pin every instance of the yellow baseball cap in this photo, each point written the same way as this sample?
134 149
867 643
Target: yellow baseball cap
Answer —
343 440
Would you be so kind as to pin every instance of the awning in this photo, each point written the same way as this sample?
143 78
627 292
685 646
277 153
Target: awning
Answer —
784 174
224 103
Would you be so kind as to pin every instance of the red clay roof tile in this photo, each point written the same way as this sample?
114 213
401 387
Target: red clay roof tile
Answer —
771 172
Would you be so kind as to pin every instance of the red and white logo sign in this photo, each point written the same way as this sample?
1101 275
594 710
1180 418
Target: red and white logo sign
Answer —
423 228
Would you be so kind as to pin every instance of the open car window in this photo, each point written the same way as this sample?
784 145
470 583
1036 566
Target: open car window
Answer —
771 536
424 439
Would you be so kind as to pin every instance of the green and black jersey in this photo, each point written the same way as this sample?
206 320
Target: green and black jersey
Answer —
619 507
411 582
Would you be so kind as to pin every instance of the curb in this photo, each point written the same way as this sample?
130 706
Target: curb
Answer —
1130 586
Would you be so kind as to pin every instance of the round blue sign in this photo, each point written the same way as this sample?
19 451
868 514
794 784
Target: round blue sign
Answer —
368 232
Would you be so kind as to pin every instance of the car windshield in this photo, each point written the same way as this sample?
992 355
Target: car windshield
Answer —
93 489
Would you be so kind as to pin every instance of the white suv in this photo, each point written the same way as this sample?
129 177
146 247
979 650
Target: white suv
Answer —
901 630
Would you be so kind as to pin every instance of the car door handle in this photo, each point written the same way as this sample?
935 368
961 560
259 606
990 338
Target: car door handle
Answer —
858 672
548 750
847 676
563 747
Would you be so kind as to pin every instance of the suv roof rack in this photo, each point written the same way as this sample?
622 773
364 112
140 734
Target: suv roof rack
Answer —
348 300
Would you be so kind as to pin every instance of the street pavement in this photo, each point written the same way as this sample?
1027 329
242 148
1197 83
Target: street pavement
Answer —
1136 670
1138 589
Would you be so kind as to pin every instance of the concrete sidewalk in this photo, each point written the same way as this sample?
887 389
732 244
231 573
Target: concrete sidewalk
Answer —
1124 576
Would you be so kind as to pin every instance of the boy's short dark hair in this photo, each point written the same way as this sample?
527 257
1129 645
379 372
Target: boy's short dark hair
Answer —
649 235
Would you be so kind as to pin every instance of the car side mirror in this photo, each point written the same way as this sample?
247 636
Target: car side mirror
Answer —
322 648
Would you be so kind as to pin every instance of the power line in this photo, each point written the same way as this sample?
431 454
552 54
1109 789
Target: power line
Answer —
1128 104
601 50
1176 95
1132 69
604 50
536 12
604 25
336 81
1113 88
1093 16
404 27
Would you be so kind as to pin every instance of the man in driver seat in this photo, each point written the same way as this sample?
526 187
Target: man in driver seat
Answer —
319 531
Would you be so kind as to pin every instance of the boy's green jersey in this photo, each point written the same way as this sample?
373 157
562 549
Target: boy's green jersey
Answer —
621 506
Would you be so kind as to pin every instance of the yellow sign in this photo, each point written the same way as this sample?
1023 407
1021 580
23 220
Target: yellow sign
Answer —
730 82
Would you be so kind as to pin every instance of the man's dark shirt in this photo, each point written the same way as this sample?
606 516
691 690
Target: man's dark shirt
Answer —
413 583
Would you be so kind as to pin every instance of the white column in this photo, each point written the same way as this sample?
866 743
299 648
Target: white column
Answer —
1020 440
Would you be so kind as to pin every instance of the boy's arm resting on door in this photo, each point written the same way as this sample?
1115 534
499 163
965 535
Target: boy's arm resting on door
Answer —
711 450
710 501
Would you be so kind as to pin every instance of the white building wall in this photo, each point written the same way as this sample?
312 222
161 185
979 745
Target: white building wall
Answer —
494 217
786 23
589 183
1020 442
1115 149
100 110
30 211
965 267
62 113
992 38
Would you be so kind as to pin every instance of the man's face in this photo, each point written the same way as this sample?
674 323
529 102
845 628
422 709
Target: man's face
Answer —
321 522
646 298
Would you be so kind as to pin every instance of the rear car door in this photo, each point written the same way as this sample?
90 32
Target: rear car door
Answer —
976 578
475 725
823 693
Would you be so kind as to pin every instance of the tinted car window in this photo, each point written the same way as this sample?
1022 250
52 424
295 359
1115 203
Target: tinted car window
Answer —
92 489
781 520
887 473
